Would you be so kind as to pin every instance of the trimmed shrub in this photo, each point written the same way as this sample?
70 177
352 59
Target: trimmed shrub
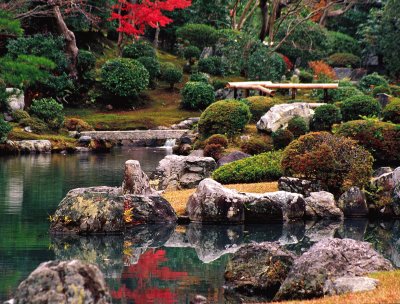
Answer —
282 138
227 117
325 116
138 49
76 124
260 168
381 89
344 60
18 115
217 139
263 65
211 65
257 145
197 96
341 93
362 105
342 43
338 163
219 84
124 77
322 70
37 125
5 129
199 77
172 75
152 66
382 139
298 126
214 150
259 105
306 77
86 61
368 82
392 111
48 110
191 53
200 35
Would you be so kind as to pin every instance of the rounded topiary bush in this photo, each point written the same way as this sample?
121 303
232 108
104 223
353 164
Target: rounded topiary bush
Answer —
361 105
48 110
263 65
382 139
259 105
76 124
197 96
199 77
18 115
342 93
282 138
211 65
298 126
5 129
306 77
344 60
338 163
138 49
392 111
214 150
200 35
152 66
217 139
86 61
172 75
325 116
260 168
124 77
227 117
191 53
257 145
380 90
368 82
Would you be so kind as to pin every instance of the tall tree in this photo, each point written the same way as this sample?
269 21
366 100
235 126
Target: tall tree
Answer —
241 12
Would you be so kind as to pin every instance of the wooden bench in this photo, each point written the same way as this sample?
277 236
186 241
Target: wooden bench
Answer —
268 88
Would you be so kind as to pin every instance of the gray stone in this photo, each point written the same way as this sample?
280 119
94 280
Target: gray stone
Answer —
342 73
297 185
135 180
182 149
85 139
225 93
329 259
382 170
16 101
358 74
279 115
353 203
197 153
7 117
136 135
206 52
186 124
322 205
173 172
82 149
383 99
64 282
349 285
33 146
258 268
199 299
28 129
231 157
395 204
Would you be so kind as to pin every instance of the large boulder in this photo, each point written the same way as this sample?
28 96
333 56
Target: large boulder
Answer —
231 157
33 146
212 202
135 180
258 268
322 205
297 185
279 115
16 99
183 172
353 203
349 285
326 260
64 282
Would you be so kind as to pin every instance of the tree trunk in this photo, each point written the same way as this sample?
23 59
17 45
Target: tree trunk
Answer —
264 19
71 48
156 37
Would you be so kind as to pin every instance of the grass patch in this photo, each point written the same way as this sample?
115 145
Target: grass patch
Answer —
388 292
179 199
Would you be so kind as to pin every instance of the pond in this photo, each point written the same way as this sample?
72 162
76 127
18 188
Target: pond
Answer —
153 264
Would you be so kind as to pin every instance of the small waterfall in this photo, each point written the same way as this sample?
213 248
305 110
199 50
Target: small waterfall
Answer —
169 143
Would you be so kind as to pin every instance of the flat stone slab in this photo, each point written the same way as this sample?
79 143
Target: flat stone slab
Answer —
135 134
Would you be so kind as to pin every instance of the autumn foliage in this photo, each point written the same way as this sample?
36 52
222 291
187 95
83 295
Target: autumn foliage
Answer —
322 69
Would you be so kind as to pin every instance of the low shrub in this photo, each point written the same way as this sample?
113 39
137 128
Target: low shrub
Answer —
260 168
172 75
344 60
298 126
138 49
217 139
5 129
259 105
86 61
392 111
325 116
18 115
212 65
361 105
322 70
199 77
282 138
342 93
200 35
48 110
197 96
263 65
124 77
37 125
152 66
257 145
382 139
338 163
191 53
227 117
76 124
381 89
306 77
369 82
219 84
214 150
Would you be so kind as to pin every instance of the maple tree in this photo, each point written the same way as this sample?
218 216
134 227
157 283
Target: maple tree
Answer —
133 18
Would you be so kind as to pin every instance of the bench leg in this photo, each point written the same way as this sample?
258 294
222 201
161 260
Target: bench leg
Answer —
235 93
294 91
246 93
326 95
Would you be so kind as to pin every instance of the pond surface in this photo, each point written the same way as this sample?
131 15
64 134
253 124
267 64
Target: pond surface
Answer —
154 264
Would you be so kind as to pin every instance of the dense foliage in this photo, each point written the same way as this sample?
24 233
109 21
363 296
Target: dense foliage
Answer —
368 82
48 110
360 105
325 116
266 66
344 60
217 139
392 111
259 105
197 96
5 129
138 49
172 75
257 145
281 138
298 126
212 65
199 35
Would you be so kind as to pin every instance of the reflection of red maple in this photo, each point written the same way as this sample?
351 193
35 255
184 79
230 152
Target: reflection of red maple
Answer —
144 271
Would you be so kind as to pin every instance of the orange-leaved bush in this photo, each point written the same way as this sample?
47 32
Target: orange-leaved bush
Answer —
337 162
321 69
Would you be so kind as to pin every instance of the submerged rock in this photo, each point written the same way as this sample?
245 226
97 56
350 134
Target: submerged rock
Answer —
322 205
349 284
64 282
329 259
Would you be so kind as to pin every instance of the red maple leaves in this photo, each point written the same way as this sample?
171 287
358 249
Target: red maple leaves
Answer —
135 17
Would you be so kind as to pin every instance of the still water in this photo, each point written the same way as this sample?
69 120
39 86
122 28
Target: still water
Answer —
154 264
